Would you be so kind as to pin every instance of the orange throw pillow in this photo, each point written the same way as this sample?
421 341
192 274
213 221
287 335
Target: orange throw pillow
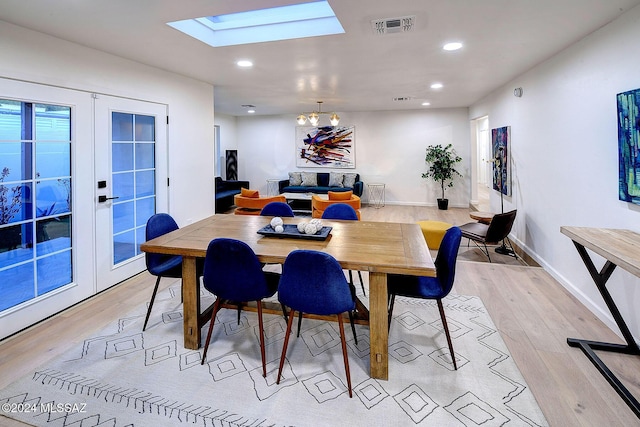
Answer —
245 192
340 195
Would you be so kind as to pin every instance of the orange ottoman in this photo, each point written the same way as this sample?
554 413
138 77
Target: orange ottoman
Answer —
433 232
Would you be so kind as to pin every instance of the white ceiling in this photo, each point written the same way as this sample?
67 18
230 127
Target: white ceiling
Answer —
355 71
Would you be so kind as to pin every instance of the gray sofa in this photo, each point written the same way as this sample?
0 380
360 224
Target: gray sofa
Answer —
322 183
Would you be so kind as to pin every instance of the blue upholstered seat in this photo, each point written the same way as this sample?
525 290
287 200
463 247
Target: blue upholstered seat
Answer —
346 212
340 211
233 273
431 287
313 282
277 209
162 265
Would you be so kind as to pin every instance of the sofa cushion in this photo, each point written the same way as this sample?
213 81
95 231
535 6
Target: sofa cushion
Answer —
295 178
245 192
340 195
336 179
309 179
349 179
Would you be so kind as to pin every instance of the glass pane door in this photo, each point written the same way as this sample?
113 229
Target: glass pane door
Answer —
133 181
131 171
35 200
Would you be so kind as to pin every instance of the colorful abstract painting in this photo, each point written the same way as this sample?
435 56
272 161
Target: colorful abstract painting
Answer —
628 146
500 146
327 146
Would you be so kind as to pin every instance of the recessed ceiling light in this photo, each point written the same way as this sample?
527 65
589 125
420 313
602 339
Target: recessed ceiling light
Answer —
452 46
245 63
426 104
437 86
251 111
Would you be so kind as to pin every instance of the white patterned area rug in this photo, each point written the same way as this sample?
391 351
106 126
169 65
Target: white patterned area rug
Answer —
126 377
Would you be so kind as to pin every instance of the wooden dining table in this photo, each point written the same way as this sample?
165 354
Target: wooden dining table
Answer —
379 248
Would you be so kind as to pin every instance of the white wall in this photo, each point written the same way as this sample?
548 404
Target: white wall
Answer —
565 156
34 57
390 148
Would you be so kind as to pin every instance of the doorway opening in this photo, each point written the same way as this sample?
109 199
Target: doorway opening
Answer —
480 165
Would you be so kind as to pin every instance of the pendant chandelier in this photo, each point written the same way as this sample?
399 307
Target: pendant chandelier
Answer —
314 117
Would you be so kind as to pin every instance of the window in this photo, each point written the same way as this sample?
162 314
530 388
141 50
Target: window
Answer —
35 200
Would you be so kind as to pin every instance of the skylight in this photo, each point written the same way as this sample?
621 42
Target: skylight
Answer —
264 25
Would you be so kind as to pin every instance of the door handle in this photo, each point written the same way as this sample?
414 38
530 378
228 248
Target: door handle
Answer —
102 199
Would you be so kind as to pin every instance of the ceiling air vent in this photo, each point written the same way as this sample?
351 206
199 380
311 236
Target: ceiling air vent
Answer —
393 25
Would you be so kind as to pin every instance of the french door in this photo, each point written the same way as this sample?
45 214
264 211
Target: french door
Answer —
131 182
79 176
45 201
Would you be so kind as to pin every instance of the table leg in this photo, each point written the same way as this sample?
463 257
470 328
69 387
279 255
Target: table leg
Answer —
191 303
378 326
600 278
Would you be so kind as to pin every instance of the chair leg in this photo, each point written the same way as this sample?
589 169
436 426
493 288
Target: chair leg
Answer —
261 329
486 251
361 283
344 354
446 331
286 343
392 300
216 308
353 327
239 311
153 297
299 323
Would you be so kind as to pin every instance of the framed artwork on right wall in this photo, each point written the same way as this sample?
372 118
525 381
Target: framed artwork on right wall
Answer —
500 146
628 146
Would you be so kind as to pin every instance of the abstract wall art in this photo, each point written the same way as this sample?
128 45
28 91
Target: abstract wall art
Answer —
326 146
500 146
232 164
628 146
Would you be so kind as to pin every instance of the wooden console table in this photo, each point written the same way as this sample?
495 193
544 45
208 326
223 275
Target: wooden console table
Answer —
621 248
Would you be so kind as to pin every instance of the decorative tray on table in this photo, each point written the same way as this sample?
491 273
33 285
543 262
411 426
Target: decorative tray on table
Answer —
291 231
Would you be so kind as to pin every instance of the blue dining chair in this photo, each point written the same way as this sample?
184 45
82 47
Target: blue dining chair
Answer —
277 209
431 287
162 265
346 212
233 273
313 282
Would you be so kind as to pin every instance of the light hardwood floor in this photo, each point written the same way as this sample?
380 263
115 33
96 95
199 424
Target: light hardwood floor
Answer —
532 311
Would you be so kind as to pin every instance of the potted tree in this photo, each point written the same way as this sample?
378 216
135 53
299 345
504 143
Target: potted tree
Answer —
442 162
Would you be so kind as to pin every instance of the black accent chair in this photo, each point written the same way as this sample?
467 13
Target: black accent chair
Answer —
492 234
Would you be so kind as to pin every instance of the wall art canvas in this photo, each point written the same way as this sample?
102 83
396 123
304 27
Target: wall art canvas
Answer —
232 164
500 146
326 146
629 146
